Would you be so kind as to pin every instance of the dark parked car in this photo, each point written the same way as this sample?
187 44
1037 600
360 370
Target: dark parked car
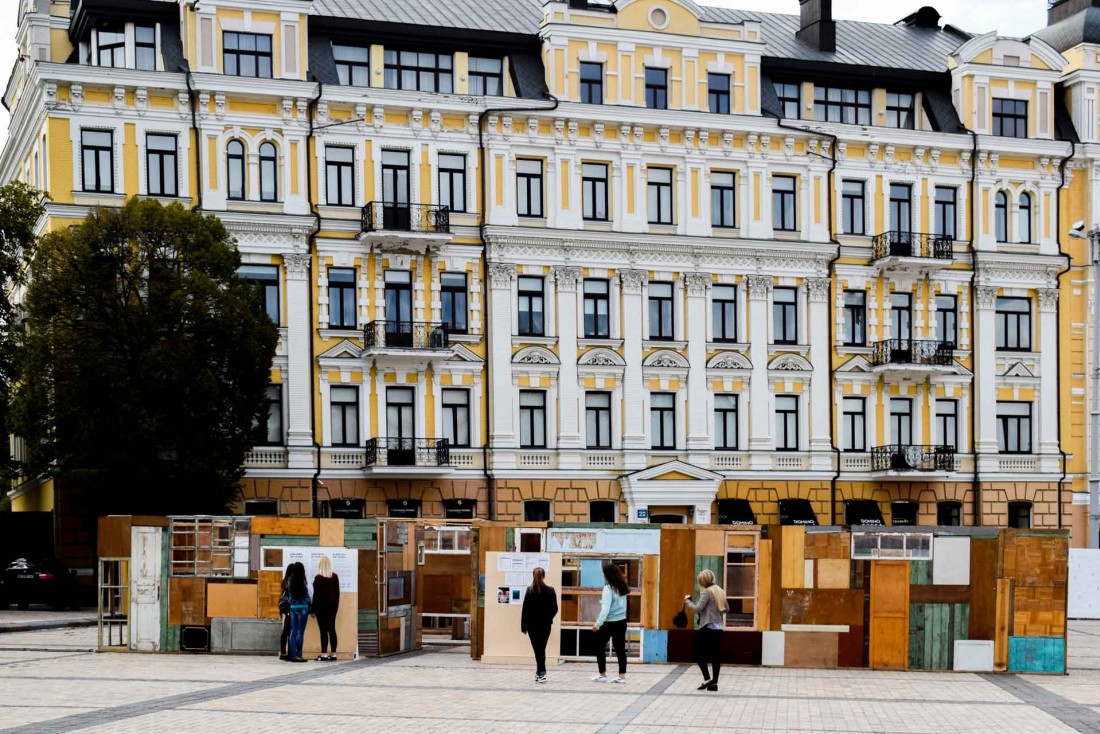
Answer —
39 581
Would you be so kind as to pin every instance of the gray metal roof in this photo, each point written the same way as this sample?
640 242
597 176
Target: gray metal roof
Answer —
1083 27
507 16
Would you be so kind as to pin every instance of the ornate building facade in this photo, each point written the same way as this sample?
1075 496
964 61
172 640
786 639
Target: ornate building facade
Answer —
642 260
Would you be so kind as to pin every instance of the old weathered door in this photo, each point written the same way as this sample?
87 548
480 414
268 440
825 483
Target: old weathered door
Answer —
145 585
889 615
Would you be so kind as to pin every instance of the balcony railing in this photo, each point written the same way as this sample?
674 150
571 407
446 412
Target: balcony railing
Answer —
405 335
913 352
408 452
913 458
912 244
382 216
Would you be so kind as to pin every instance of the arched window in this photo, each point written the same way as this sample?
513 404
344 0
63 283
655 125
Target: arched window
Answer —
1000 216
1025 218
269 173
234 154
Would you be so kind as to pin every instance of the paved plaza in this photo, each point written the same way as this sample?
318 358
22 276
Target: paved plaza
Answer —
51 682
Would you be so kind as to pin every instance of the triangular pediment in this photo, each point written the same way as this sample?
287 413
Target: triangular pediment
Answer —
679 471
344 350
855 364
1018 370
464 354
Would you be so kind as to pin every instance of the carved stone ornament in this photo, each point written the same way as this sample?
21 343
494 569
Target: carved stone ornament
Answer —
760 286
535 357
297 265
818 289
729 362
789 363
697 283
632 280
1048 300
501 275
599 358
666 359
985 296
567 278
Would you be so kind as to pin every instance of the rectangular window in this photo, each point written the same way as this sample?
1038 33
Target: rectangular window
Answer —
786 423
597 307
1014 324
532 419
247 54
853 208
1010 118
946 212
785 315
145 47
603 511
274 433
723 199
529 187
847 106
594 191
900 111
723 308
161 169
855 318
853 424
455 299
111 45
656 88
1014 428
790 99
529 292
266 280
662 420
345 416
947 319
340 175
949 514
901 315
725 423
424 72
486 77
342 298
660 311
352 65
901 208
659 189
784 210
97 154
1019 515
947 423
456 417
452 181
718 93
597 419
901 421
591 82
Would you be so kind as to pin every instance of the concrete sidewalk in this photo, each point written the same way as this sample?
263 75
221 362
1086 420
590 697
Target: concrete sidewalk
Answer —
30 620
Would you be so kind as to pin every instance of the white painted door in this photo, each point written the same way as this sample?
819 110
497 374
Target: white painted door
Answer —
145 589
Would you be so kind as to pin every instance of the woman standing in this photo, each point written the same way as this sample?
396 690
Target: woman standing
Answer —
284 611
711 610
611 624
326 602
298 594
540 606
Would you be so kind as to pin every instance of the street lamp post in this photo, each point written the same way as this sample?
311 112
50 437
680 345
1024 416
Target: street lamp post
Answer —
1093 237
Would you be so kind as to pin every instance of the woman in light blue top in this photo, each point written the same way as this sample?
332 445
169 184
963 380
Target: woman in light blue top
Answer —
611 624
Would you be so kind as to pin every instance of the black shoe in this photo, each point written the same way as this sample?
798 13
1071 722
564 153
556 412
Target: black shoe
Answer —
284 656
712 686
704 686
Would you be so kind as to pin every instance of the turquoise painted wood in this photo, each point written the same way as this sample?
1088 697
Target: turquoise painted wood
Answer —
920 573
592 573
1037 654
933 629
655 646
714 563
289 540
368 620
361 533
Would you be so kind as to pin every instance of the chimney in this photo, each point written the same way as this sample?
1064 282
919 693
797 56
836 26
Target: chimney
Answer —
1059 10
818 27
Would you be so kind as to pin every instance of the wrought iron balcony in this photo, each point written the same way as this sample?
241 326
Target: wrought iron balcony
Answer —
417 335
430 452
913 352
904 458
383 216
918 245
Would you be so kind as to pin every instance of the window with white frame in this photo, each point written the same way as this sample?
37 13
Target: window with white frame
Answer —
786 423
97 155
662 420
1013 427
344 410
853 424
532 419
725 422
161 168
597 418
456 416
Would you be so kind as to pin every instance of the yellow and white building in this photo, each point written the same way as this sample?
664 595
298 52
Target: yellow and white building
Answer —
631 260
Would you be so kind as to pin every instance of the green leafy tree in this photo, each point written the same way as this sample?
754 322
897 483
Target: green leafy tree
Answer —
146 360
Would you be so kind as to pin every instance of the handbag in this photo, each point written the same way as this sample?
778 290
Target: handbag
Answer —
680 619
284 603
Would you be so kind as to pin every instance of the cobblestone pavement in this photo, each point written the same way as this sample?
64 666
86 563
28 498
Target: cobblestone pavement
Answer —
52 683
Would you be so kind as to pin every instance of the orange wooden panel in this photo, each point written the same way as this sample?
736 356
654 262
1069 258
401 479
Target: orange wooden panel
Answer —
811 649
270 587
889 615
710 543
793 575
832 546
332 533
983 587
1041 560
231 600
286 526
1039 611
774 532
833 573
677 572
368 579
651 566
764 585
1003 625
113 538
821 606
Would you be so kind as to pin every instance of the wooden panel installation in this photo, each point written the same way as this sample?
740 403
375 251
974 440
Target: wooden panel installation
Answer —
983 588
933 629
1041 560
286 526
832 573
828 546
231 600
651 580
793 560
811 649
939 595
187 601
889 615
764 585
822 606
270 585
852 648
677 573
1039 611
1003 624
1037 654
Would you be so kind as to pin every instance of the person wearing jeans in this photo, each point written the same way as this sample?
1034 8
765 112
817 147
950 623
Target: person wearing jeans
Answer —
298 594
711 611
611 624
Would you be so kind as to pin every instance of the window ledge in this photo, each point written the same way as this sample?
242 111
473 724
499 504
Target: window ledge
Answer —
165 199
663 344
269 207
803 349
92 198
330 332
329 211
464 338
546 341
662 228
727 347
849 349
588 342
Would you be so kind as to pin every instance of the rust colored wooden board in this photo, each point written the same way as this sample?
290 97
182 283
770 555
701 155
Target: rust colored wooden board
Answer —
286 526
822 606
921 594
175 600
332 533
193 602
651 566
889 646
368 579
764 586
983 587
269 588
1007 567
777 576
231 600
492 540
852 649
1039 611
830 546
1003 624
794 557
832 573
811 649
114 536
677 573
149 521
1041 561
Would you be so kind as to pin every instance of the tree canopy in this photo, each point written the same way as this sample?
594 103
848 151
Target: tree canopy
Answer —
146 360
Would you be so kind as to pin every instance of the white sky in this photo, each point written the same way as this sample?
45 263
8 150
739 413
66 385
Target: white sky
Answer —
1009 17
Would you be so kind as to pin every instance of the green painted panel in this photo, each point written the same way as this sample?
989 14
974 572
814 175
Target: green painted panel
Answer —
920 572
289 540
165 543
916 636
510 540
1037 654
361 533
933 629
714 563
939 639
172 638
368 620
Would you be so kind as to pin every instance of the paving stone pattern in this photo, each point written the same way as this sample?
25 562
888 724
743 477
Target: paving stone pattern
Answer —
53 684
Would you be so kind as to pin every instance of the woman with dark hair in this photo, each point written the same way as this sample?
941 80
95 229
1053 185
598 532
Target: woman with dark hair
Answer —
611 624
540 606
298 595
284 611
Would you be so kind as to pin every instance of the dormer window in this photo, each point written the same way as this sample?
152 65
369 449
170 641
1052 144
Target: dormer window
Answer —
1010 118
900 112
352 65
847 106
247 54
424 72
145 47
110 47
486 77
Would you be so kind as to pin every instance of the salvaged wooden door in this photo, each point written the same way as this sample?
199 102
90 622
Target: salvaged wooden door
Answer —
889 615
145 589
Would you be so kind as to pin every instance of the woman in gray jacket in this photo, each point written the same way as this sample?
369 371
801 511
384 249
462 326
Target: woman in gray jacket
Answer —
711 610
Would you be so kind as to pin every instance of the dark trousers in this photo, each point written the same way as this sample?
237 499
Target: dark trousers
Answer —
326 623
285 636
708 648
539 636
616 632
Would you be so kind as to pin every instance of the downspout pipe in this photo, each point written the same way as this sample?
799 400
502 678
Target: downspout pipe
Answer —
311 248
192 97
1058 332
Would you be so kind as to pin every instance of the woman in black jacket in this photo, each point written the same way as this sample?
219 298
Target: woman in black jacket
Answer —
540 606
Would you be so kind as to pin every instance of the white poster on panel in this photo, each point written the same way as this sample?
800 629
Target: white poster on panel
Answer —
1084 584
642 542
345 563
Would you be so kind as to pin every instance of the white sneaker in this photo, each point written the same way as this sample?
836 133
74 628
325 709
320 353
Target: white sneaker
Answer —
600 679
542 679
619 680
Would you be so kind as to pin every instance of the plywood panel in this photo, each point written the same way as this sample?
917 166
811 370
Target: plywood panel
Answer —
332 533
710 543
368 579
831 546
650 583
286 526
794 557
231 600
811 649
1039 611
983 587
269 589
347 628
113 538
833 573
1003 624
939 594
1041 560
677 573
889 647
822 606
187 601
764 586
777 577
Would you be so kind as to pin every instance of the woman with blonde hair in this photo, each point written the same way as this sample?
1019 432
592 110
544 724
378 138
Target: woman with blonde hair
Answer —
711 610
326 603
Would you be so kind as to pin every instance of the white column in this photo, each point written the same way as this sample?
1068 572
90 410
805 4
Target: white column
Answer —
634 401
698 402
1048 371
760 413
821 444
299 435
984 300
569 394
502 432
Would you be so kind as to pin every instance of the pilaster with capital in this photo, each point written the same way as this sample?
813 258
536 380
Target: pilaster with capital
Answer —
299 435
699 404
760 403
1049 442
817 292
985 372
503 394
568 279
634 435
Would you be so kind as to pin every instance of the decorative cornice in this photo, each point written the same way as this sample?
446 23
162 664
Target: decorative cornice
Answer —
297 265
